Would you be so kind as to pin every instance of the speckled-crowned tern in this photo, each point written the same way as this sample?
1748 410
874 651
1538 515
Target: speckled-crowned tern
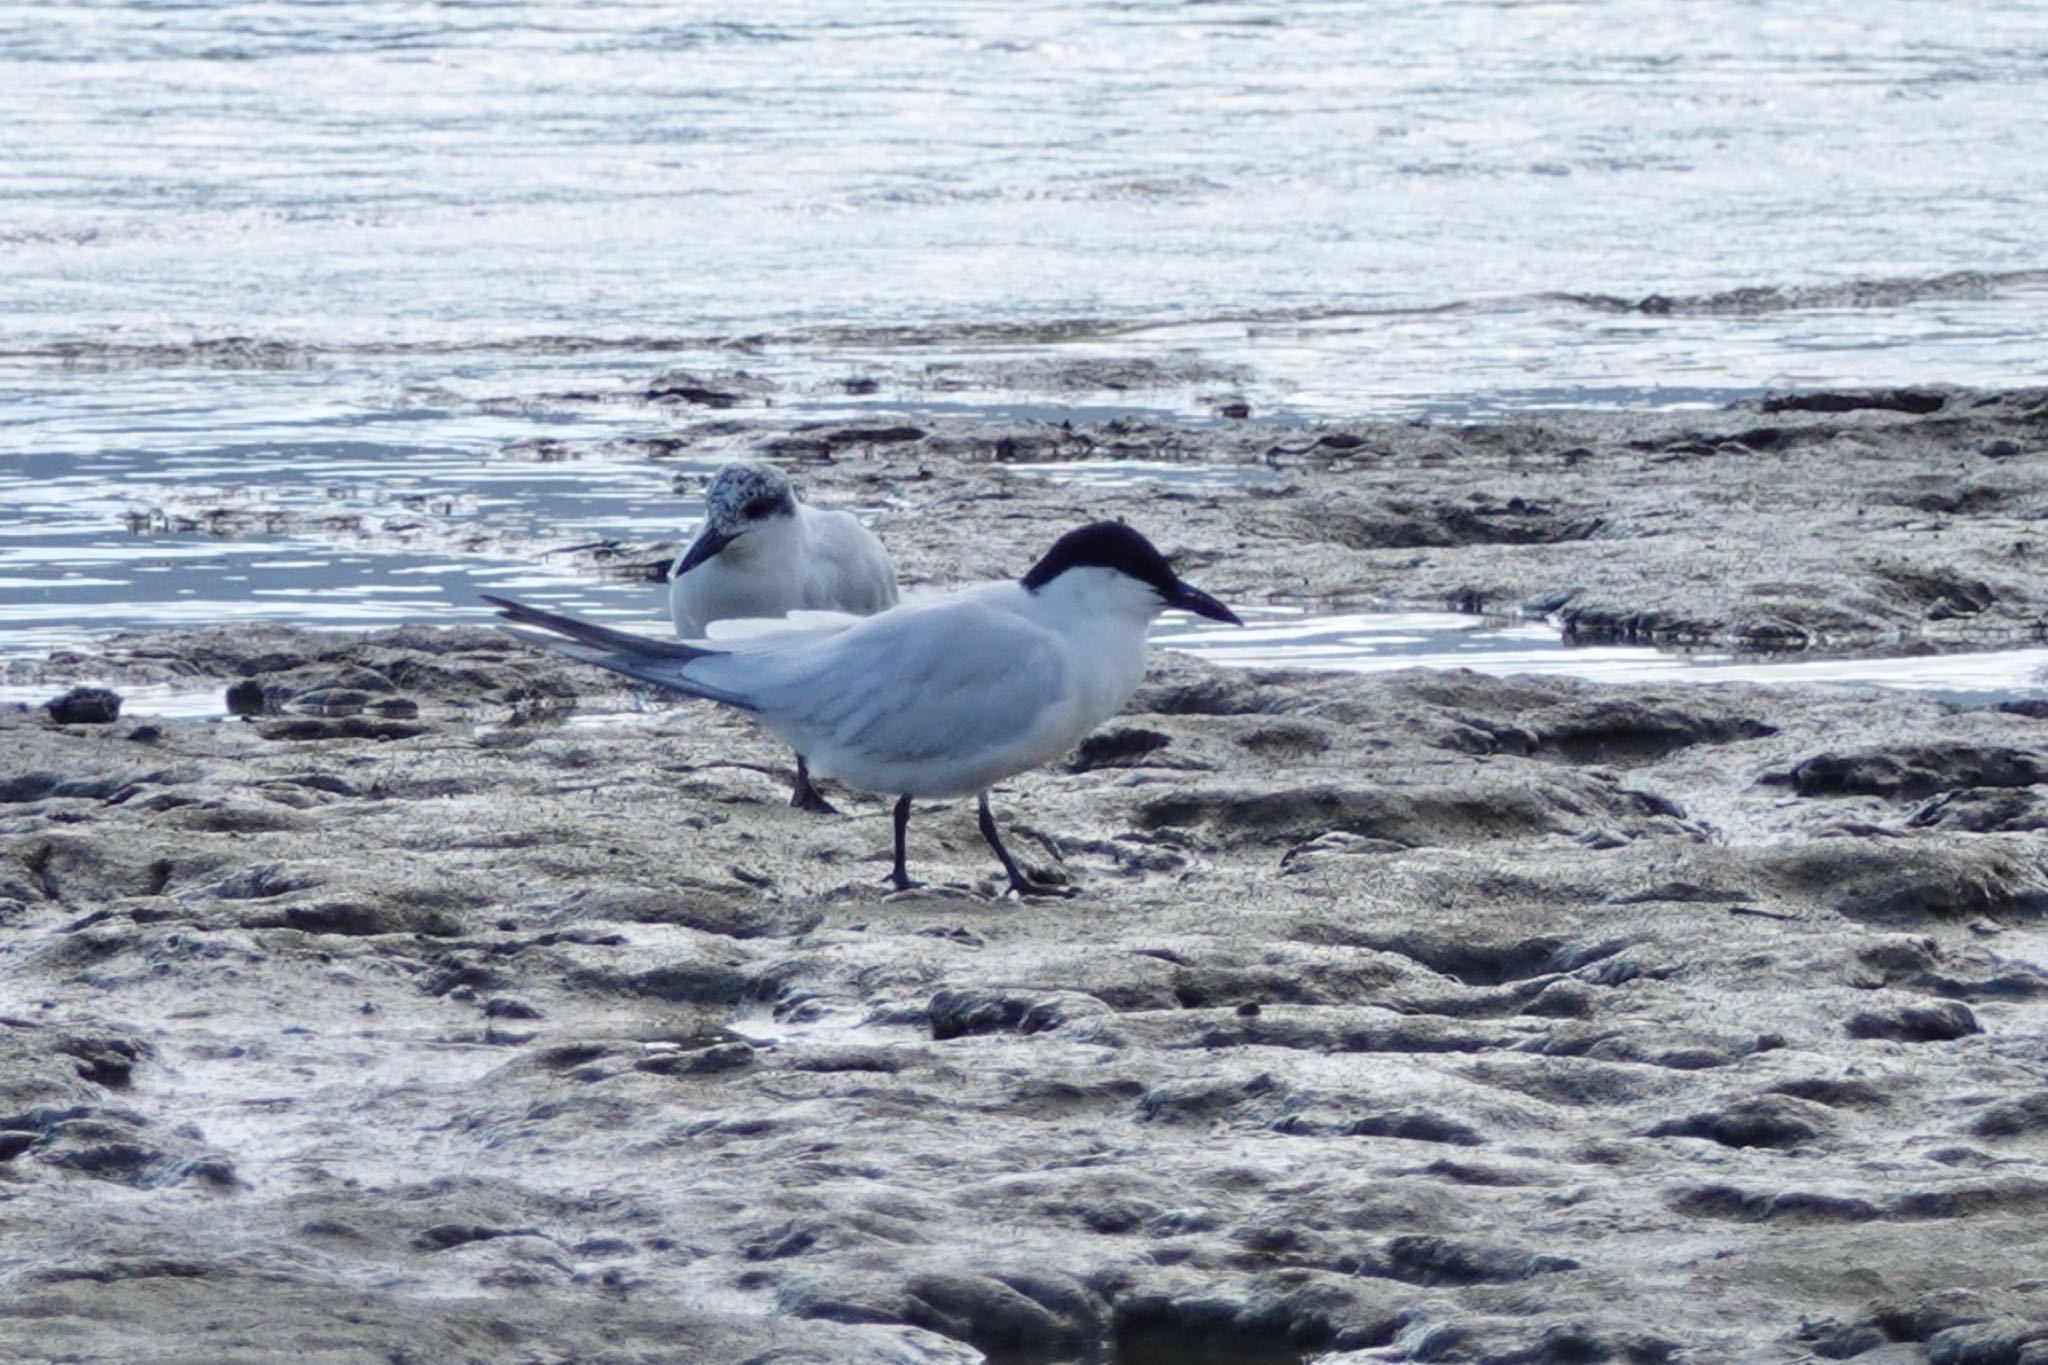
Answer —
762 552
935 698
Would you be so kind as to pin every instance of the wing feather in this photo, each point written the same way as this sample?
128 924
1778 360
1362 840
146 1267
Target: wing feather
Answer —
920 684
664 663
848 570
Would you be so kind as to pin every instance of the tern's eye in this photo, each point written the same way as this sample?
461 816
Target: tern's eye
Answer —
763 506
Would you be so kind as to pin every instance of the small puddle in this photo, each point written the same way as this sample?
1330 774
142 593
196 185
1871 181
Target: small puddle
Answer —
1130 473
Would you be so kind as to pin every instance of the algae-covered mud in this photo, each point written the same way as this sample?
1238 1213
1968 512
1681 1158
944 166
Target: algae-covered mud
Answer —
453 1003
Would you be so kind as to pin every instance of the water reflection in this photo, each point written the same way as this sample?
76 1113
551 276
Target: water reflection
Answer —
1372 642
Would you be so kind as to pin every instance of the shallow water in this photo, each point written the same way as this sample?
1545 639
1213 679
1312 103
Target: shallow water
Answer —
292 510
1467 206
1373 642
294 297
284 526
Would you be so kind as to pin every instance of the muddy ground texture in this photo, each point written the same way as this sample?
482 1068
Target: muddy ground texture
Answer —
458 1004
1819 521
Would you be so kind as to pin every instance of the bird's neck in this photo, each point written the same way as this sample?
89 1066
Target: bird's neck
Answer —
1102 618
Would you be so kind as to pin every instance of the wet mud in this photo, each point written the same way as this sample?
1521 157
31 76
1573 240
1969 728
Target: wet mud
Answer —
452 1003
1821 521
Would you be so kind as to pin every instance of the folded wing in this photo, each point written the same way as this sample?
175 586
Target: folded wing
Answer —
957 682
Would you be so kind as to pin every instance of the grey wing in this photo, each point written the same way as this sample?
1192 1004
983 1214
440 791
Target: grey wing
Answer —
920 684
849 569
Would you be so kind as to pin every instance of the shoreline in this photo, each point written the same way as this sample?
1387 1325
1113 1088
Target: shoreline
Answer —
1417 1015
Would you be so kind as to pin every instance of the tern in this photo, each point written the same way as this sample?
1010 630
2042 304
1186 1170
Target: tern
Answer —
936 698
762 552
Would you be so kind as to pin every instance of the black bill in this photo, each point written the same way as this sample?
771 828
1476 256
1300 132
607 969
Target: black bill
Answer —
1185 598
707 547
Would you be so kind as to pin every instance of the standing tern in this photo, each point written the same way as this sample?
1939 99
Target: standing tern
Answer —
934 698
763 553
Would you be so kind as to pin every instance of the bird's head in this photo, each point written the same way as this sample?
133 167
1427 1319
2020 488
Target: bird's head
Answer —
1115 565
743 499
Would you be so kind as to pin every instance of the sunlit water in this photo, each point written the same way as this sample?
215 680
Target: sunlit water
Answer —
443 232
1396 203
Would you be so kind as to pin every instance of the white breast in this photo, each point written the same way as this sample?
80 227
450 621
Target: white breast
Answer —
814 561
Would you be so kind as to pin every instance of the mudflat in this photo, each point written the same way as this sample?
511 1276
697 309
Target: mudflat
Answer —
461 1004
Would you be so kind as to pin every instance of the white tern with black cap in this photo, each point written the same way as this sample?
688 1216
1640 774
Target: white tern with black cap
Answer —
935 698
762 552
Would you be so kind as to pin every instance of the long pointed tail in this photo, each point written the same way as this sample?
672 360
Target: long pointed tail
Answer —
661 662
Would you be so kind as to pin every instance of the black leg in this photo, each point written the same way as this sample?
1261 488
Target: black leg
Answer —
804 796
1020 881
897 873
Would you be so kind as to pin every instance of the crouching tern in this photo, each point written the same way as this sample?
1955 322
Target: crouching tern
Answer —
763 553
935 698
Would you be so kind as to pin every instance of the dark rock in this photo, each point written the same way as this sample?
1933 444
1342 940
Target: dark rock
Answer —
1413 1125
445 1235
1936 1021
1835 1093
1918 401
956 1014
85 706
2013 1118
1766 1121
1985 811
1563 1000
1008 1313
1802 1206
102 1059
875 436
1999 1342
1283 1316
1200 1101
1915 772
1412 816
1838 1341
724 390
1910 881
246 698
356 918
1124 747
680 983
698 1061
1438 1261
1633 730
343 727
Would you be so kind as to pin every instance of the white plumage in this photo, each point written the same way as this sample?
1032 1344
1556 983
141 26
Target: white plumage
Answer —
933 698
763 552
